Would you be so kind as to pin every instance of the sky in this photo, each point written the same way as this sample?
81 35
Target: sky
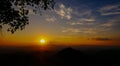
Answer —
72 22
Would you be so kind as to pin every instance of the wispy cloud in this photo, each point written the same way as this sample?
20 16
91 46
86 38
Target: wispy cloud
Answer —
52 19
108 24
75 23
73 30
102 39
111 22
79 30
87 19
82 15
110 9
64 12
81 11
82 21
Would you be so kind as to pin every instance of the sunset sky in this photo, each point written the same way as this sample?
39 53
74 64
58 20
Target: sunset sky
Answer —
74 22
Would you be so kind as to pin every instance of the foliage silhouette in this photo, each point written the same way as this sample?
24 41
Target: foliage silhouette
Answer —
14 13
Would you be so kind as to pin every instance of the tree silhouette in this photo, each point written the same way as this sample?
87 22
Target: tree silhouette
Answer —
14 13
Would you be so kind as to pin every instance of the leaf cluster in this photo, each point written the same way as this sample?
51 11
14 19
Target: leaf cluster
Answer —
14 13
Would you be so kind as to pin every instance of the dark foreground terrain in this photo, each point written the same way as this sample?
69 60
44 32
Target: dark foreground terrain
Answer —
63 57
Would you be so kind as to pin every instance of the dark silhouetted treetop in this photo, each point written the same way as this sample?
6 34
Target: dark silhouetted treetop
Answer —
14 13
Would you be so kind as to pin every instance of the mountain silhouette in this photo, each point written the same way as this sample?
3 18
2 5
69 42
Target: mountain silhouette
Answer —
69 57
70 53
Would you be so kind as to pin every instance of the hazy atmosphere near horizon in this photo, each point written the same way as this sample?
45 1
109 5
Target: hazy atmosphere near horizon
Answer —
71 22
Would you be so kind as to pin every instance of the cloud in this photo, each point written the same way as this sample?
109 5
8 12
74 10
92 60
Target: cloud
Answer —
110 10
83 11
102 39
108 24
79 30
82 15
75 23
71 30
52 19
64 12
87 19
111 13
82 21
111 22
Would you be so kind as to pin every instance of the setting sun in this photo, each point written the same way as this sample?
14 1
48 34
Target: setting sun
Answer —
42 41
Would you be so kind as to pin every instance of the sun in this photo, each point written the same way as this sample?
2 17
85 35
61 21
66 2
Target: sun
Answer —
42 41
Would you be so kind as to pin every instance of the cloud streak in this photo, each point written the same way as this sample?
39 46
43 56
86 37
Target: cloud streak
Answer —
52 19
102 39
111 22
79 30
110 10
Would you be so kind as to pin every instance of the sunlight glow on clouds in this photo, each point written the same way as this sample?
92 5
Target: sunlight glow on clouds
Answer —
80 30
64 12
52 19
87 20
75 23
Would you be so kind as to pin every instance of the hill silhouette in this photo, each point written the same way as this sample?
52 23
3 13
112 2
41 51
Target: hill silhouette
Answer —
69 52
69 57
